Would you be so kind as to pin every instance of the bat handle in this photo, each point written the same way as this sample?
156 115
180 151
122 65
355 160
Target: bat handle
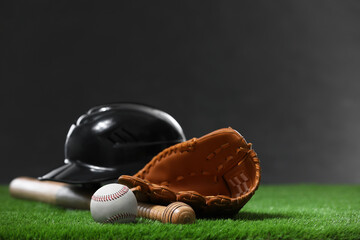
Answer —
176 212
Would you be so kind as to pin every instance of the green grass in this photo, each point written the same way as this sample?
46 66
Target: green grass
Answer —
275 212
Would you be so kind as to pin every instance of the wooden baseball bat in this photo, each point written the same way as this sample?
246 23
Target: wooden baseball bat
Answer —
76 197
56 193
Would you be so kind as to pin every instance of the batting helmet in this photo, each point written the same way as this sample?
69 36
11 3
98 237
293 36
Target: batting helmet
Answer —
115 139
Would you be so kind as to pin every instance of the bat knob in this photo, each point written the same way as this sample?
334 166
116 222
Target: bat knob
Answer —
178 213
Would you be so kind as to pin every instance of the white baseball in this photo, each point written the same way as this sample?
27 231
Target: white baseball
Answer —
113 203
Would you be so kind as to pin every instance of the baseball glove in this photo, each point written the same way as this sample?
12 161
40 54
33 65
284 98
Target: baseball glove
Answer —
215 174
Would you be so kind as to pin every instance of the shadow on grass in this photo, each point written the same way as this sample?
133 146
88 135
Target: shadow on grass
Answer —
253 216
248 216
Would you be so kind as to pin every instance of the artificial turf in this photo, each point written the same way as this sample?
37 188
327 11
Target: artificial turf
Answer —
275 212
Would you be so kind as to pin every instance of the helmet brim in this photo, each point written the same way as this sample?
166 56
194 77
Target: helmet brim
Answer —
77 173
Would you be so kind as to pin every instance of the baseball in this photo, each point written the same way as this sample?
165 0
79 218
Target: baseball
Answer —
113 203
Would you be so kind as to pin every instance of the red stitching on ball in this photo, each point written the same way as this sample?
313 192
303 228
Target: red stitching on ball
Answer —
119 216
110 197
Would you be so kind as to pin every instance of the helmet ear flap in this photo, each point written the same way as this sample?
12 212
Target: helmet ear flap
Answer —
115 139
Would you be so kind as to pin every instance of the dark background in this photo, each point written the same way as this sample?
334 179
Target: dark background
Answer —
285 74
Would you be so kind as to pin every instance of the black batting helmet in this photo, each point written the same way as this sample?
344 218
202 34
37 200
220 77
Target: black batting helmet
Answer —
114 139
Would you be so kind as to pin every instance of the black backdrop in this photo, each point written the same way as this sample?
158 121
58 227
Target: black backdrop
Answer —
283 73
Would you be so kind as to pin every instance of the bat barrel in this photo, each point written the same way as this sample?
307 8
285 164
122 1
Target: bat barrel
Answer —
150 211
177 212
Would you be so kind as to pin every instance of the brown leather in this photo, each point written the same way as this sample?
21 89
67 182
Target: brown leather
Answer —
217 173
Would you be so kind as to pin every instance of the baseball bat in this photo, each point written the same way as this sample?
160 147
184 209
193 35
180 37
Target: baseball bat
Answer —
56 193
76 197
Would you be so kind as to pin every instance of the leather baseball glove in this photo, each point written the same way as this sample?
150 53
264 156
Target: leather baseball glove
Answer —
215 174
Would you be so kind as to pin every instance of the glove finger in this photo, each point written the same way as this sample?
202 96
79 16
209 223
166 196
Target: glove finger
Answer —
132 182
161 194
192 198
219 201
